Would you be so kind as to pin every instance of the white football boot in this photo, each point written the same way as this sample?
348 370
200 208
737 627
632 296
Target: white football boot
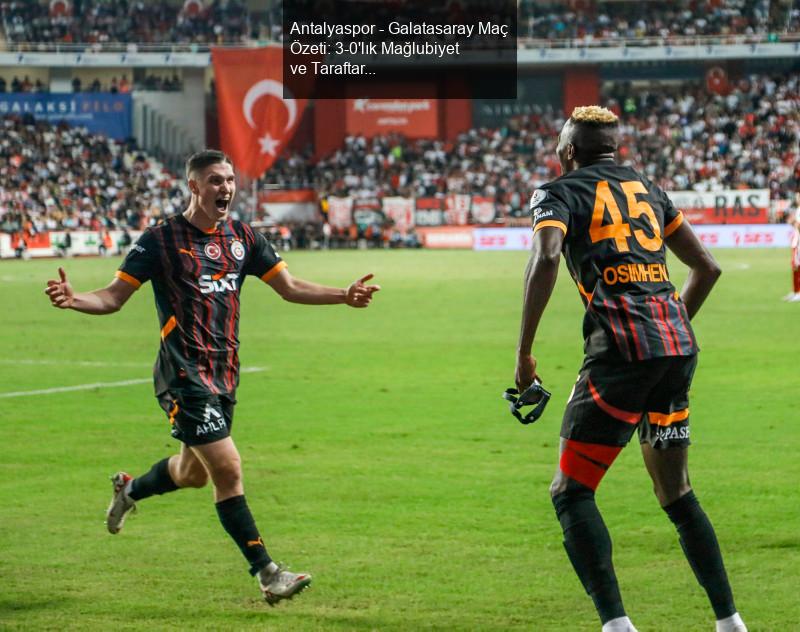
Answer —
121 504
277 583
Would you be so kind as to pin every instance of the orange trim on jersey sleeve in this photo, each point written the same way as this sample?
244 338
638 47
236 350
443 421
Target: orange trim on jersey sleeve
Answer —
551 223
584 293
660 419
673 225
166 330
173 412
273 271
124 276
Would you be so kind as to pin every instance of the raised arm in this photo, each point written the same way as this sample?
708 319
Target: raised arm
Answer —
295 290
103 301
540 278
703 268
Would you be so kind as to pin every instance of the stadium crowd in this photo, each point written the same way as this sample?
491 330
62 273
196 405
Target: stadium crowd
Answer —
122 21
681 137
229 21
54 178
588 20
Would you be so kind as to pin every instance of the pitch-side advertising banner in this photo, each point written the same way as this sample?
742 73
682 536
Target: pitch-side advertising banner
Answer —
447 237
739 236
107 114
414 118
745 206
84 242
256 118
503 238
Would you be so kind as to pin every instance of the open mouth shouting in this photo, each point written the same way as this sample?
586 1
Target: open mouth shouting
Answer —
222 203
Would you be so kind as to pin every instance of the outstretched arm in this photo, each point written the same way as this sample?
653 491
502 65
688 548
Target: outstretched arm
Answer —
703 268
295 290
540 278
104 301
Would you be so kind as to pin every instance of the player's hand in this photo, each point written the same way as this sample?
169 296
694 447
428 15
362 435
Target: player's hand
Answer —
359 294
60 292
525 372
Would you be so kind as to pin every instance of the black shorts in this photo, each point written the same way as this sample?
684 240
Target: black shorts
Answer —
611 399
198 420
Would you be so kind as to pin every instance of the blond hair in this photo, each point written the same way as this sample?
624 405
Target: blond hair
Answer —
593 114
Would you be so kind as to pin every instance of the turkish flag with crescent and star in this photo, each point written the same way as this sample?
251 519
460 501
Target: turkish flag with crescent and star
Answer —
256 117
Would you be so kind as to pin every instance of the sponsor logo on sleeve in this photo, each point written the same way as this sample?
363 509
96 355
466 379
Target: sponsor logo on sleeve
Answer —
539 196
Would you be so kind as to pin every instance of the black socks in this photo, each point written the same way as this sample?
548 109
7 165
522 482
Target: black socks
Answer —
235 516
156 481
700 545
588 546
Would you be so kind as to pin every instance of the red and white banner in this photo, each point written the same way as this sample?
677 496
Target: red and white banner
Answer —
367 211
340 211
428 211
457 208
414 118
483 209
256 120
400 210
296 205
731 206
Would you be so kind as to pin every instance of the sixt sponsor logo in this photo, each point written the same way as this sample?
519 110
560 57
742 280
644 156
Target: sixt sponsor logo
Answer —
210 285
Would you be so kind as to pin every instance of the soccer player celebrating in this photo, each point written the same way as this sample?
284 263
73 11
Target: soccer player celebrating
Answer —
197 262
612 225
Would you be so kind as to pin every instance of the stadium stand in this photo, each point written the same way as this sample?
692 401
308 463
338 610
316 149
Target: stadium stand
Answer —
579 22
681 136
54 178
98 22
588 21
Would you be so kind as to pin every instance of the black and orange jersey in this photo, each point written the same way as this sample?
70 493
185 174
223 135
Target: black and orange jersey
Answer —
615 222
196 279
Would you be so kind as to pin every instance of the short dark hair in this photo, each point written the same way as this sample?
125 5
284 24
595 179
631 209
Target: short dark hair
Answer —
595 131
205 158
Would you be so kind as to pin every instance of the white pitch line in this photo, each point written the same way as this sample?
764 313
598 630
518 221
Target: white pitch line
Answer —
88 387
90 363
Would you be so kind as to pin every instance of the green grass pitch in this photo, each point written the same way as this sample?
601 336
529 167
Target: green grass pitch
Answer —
379 456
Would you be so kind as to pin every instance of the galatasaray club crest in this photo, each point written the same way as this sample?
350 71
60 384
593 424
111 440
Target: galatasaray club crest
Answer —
213 251
237 250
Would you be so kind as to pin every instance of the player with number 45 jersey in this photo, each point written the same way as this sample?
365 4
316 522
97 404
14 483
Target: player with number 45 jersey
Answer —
613 226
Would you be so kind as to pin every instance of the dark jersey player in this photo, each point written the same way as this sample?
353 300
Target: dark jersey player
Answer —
197 262
612 226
